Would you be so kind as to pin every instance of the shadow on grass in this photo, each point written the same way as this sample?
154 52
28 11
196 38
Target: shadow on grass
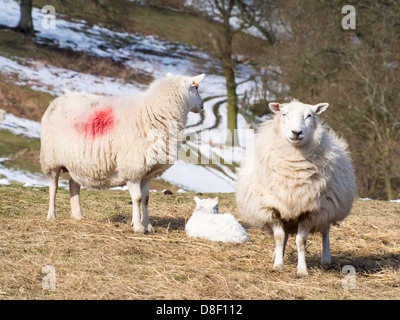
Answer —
370 264
169 223
159 222
362 264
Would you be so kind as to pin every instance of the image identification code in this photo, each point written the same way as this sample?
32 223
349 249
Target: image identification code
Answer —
204 309
221 309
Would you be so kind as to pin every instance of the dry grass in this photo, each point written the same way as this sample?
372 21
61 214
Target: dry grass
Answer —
101 257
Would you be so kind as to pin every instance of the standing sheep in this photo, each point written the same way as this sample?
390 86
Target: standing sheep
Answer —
297 178
106 142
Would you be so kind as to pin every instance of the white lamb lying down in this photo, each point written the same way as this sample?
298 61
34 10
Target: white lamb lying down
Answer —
207 223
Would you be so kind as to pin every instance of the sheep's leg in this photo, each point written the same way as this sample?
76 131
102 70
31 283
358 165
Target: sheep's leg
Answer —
144 187
74 192
303 230
285 243
326 252
136 195
280 245
54 175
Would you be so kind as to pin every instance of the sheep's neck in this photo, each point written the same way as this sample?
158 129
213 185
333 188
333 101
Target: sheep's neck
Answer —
173 119
164 127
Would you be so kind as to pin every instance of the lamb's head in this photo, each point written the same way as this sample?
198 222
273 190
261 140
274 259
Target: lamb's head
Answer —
191 85
206 205
297 120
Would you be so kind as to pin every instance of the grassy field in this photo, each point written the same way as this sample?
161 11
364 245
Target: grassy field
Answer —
101 258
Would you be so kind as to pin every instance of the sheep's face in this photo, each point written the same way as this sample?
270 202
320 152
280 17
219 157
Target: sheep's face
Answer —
207 205
196 103
297 120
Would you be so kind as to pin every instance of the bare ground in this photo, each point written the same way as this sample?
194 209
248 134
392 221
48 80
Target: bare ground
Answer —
101 258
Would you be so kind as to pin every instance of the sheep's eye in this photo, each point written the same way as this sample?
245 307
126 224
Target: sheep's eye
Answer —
308 116
284 114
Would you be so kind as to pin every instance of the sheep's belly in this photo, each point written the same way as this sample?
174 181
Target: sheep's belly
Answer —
114 179
90 183
293 210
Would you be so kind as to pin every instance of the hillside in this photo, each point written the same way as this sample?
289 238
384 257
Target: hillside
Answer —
78 56
101 258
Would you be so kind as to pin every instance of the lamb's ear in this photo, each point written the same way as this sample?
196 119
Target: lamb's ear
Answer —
320 107
197 79
274 107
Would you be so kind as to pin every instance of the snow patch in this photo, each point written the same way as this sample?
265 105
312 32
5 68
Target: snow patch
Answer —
197 178
21 126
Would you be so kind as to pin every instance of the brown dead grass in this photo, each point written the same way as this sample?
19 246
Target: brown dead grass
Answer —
101 257
21 100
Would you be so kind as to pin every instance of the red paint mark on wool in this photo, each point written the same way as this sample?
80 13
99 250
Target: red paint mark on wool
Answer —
99 123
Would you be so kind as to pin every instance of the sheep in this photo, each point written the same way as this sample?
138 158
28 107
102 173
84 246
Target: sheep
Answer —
297 177
207 223
106 142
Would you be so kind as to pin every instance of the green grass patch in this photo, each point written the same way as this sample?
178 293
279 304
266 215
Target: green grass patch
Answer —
11 143
22 152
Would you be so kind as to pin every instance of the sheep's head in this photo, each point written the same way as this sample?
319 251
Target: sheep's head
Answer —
207 205
196 103
297 120
191 84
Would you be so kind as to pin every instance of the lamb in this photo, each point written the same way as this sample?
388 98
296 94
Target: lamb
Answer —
297 177
106 142
207 223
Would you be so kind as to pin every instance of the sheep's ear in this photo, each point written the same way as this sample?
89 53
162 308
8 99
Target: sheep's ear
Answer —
320 107
274 107
215 202
197 79
197 199
170 75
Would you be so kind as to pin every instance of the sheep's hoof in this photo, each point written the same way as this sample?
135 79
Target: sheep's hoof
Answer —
51 218
77 217
278 267
302 272
139 229
325 262
149 228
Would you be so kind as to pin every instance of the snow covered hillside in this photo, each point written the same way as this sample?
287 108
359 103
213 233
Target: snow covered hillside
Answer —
146 54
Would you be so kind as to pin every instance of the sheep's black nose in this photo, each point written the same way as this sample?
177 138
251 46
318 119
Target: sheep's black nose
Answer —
297 133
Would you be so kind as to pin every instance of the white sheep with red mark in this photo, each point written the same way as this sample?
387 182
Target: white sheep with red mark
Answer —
297 178
106 142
